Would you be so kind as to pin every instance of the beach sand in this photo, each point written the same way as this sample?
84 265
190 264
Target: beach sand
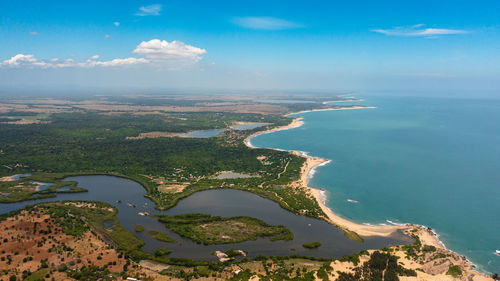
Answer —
361 229
333 108
297 122
426 235
310 164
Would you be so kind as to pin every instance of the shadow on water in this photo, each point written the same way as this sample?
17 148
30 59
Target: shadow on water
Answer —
220 202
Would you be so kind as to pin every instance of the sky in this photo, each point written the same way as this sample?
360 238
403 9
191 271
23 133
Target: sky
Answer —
429 47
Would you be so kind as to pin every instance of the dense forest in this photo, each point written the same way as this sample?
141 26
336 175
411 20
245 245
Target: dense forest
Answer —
100 143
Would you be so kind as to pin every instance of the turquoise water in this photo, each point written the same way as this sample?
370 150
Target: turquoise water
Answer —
428 161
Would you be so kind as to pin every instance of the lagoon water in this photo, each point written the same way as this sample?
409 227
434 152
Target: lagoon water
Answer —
124 194
429 161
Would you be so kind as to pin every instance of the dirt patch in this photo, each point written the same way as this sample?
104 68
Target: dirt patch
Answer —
154 266
25 122
151 135
32 239
172 187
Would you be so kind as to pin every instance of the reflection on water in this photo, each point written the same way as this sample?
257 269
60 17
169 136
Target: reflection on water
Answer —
220 202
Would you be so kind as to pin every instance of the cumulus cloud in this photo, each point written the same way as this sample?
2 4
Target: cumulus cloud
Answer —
419 30
21 60
116 23
162 50
121 62
158 52
151 10
266 23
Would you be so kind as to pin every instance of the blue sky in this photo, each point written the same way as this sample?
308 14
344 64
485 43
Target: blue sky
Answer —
429 46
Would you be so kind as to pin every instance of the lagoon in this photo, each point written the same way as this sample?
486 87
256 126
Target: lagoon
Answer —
220 202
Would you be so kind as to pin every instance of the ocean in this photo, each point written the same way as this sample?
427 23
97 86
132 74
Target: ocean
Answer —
428 161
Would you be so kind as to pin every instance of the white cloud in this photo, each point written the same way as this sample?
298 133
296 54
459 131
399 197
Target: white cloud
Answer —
418 25
162 50
30 61
266 23
418 30
116 23
107 36
21 59
121 62
151 10
158 52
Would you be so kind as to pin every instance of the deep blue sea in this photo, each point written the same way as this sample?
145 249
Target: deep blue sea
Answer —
429 161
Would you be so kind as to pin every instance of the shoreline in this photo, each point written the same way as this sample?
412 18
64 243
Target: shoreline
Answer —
333 108
308 169
425 234
296 122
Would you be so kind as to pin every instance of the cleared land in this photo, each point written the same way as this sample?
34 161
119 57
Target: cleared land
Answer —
60 240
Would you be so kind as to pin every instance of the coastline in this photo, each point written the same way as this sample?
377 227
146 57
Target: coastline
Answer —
426 235
309 167
296 122
332 108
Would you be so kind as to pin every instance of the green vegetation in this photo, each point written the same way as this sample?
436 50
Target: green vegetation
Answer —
322 272
92 272
353 236
162 252
160 236
312 245
92 143
354 258
413 250
77 217
454 271
379 264
287 235
139 228
234 253
428 248
27 188
207 229
38 275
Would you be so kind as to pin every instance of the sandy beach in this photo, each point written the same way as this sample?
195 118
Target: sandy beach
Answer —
361 229
332 108
426 235
313 162
297 122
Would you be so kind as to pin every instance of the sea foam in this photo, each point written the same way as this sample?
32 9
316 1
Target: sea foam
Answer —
313 170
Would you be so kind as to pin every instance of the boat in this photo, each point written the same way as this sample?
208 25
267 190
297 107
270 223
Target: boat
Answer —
498 252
